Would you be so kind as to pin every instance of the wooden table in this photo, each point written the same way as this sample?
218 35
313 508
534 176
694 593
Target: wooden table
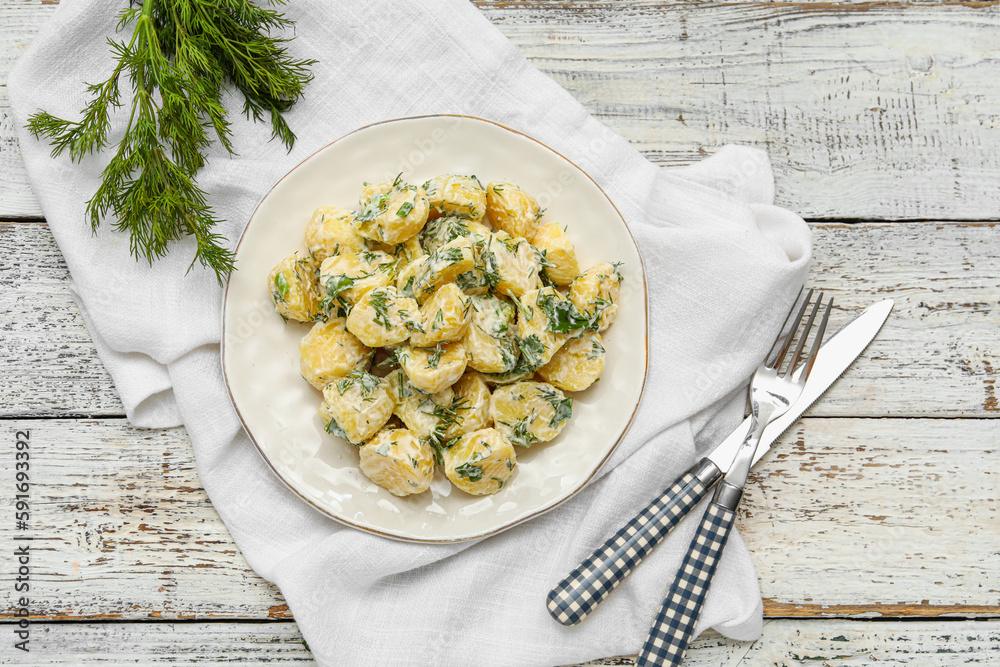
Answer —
879 507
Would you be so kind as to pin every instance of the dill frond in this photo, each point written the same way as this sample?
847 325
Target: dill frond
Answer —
181 56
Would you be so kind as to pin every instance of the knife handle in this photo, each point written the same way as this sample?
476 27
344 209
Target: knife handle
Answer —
673 627
575 597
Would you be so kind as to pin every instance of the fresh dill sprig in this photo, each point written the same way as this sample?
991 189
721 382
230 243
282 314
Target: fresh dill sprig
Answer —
180 57
447 416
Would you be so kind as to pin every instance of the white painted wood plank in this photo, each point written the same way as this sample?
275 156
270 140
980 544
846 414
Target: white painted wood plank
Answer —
831 643
122 529
876 110
868 517
819 642
900 513
869 110
20 20
204 644
50 364
936 356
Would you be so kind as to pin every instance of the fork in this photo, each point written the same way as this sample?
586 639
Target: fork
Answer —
772 391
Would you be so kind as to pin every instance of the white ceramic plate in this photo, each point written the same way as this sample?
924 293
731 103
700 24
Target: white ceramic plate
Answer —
261 358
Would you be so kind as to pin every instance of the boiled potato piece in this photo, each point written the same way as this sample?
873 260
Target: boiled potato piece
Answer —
481 462
477 281
382 317
512 209
331 232
359 405
443 318
424 275
461 196
534 326
595 293
509 264
294 290
370 190
329 352
445 230
491 339
530 412
419 411
406 277
470 408
577 365
392 214
446 263
404 252
346 278
558 254
407 251
432 369
398 461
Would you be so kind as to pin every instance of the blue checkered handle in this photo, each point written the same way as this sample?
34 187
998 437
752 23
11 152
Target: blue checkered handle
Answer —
575 597
673 627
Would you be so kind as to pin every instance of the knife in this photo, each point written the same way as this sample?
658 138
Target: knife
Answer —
574 598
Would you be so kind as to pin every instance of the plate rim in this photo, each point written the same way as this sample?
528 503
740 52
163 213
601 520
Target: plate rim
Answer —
410 538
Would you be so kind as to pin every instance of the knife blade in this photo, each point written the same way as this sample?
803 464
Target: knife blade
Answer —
834 357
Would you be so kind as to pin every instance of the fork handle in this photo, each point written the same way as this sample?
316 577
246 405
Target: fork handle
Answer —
575 597
673 627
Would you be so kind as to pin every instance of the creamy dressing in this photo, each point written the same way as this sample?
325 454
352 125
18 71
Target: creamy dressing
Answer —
488 313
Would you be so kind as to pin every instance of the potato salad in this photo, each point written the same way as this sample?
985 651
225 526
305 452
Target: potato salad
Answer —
449 325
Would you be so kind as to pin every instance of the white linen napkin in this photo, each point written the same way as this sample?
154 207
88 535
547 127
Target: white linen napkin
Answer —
723 264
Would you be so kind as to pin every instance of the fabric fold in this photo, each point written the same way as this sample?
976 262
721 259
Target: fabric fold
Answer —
722 264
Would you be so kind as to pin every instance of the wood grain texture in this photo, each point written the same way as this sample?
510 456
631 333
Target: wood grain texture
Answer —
122 529
832 643
897 512
819 642
868 110
936 356
20 20
873 110
205 644
50 364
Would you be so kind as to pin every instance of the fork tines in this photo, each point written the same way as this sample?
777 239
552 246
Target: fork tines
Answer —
792 330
